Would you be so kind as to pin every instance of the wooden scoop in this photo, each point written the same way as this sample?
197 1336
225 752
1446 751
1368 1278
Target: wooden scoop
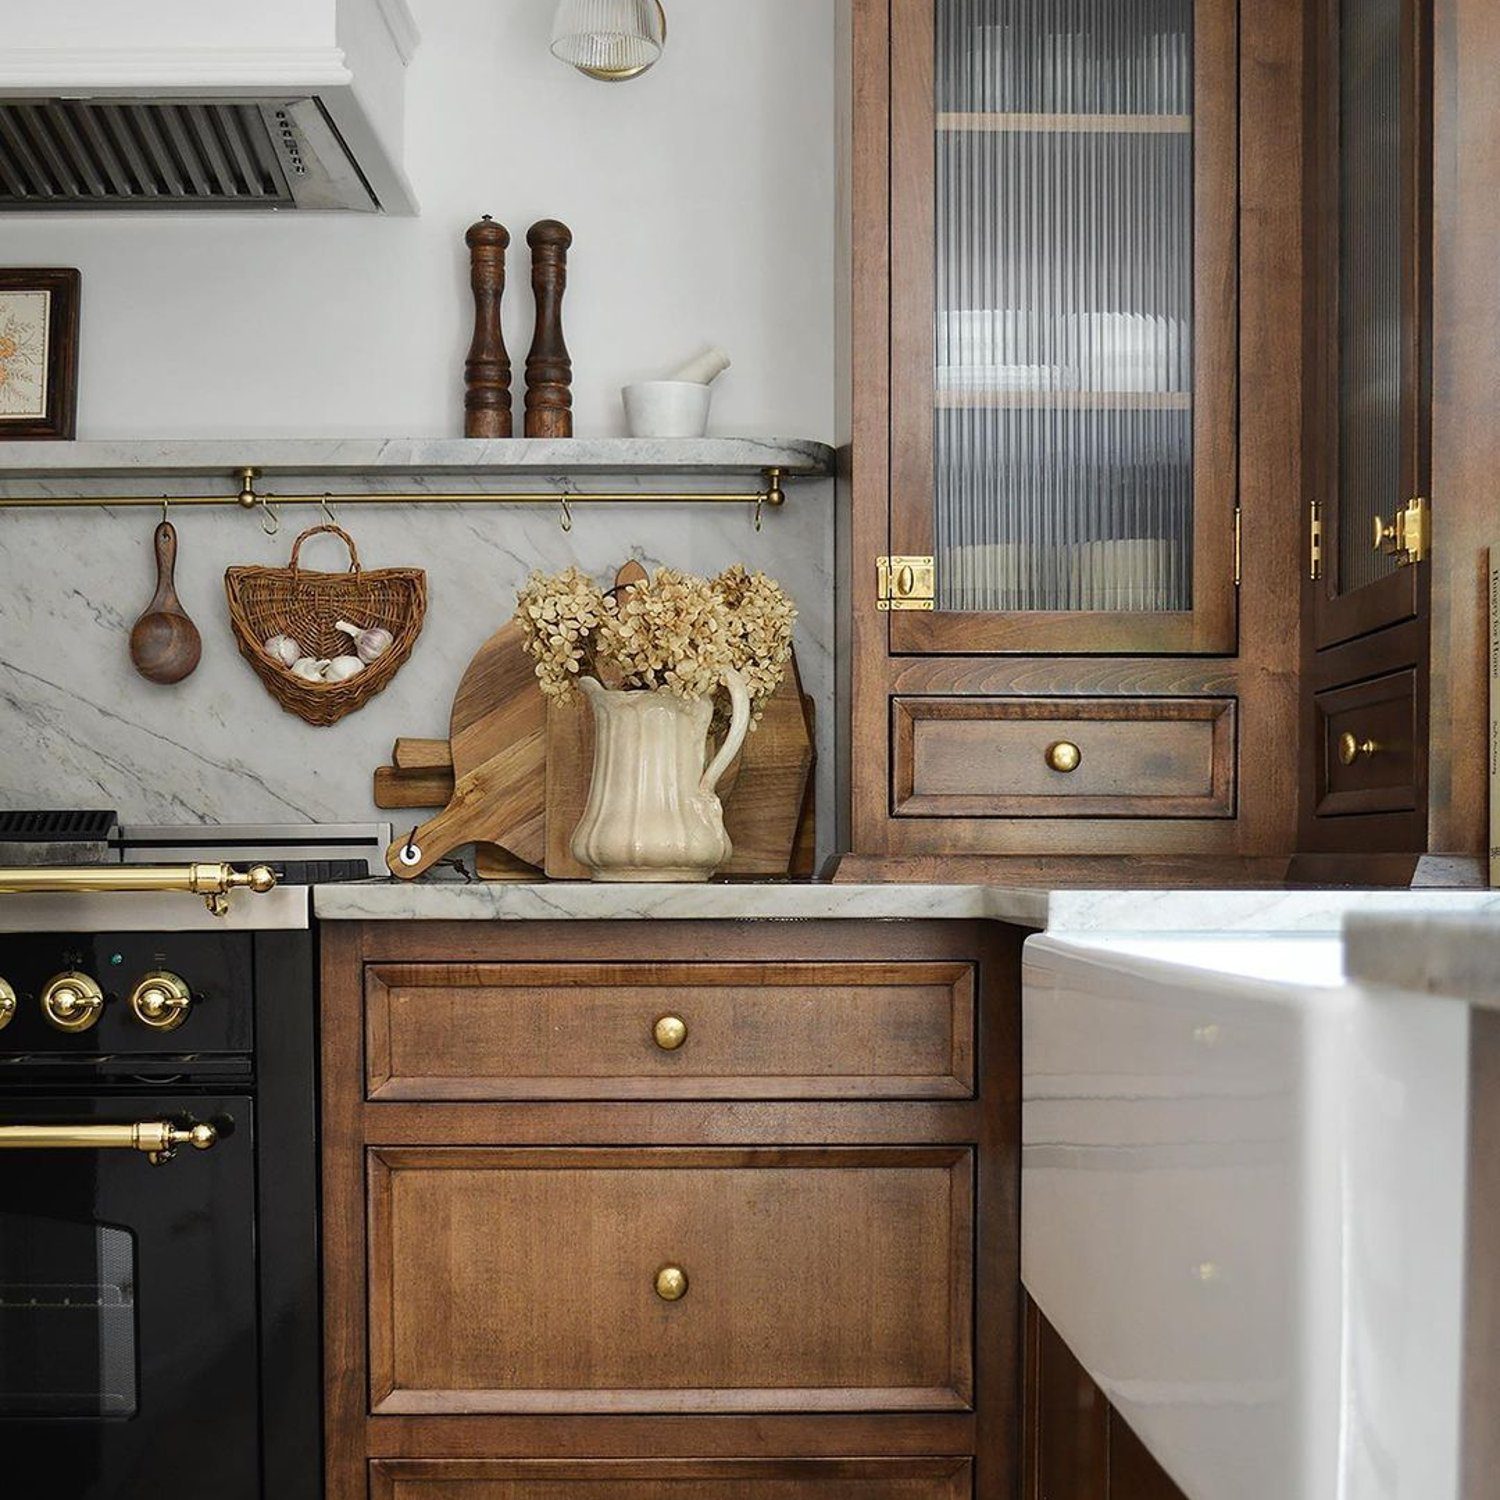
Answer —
165 645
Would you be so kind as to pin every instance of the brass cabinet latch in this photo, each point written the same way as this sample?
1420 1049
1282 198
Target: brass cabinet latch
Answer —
905 583
1407 538
1315 554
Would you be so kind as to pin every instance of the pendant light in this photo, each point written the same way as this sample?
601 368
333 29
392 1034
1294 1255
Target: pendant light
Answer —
610 40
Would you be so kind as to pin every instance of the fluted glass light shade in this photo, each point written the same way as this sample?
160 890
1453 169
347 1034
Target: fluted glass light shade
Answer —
611 40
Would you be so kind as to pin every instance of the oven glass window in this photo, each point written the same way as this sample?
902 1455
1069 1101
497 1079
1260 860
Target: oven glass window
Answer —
67 1319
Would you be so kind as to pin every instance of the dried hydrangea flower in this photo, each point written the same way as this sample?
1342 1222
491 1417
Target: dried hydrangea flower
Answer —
672 632
559 618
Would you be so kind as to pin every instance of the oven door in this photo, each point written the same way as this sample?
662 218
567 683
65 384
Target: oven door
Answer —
128 1361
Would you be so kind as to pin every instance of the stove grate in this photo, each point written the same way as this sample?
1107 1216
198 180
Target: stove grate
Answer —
57 825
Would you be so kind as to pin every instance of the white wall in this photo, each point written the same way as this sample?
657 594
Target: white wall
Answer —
700 197
701 200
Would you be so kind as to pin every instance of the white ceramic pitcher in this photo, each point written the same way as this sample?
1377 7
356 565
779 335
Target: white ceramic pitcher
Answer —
652 813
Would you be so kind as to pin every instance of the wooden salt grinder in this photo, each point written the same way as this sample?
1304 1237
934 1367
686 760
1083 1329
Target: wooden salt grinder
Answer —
549 370
487 403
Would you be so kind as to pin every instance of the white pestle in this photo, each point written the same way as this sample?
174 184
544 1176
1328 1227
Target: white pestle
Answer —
703 370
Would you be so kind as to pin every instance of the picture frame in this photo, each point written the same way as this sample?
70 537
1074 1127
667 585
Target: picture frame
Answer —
38 353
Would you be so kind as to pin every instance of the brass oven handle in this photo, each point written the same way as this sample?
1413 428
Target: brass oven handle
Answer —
158 1140
212 882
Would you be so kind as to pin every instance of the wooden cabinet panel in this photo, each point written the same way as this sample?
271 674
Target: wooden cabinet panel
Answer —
526 1280
1076 1446
994 757
857 1479
588 1031
1367 737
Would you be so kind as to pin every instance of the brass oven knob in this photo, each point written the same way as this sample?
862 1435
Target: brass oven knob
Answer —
1064 757
671 1284
669 1033
72 1002
161 1001
1352 748
7 1003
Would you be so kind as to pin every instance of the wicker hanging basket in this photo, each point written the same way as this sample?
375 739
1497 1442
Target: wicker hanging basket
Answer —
267 602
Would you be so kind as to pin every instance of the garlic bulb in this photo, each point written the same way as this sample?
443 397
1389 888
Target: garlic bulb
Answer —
367 643
309 669
342 668
284 649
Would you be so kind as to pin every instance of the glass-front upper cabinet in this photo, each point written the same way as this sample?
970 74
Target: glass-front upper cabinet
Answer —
1064 313
1370 383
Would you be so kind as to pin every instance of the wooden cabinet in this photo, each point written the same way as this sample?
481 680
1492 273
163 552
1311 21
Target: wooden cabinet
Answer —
1071 334
1369 388
670 1031
1077 1447
603 1479
651 1279
769 1251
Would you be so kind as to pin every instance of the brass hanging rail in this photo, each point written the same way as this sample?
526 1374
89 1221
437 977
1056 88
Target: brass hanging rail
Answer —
248 497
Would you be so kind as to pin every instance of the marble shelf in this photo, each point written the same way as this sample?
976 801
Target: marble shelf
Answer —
389 458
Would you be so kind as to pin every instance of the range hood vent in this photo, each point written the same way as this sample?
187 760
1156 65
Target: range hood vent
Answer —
174 154
205 104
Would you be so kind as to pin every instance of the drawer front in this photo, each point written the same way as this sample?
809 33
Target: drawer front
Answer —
538 1280
1064 757
681 1479
670 1031
1367 738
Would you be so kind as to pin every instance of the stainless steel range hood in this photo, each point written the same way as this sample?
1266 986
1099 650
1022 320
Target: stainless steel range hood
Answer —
203 104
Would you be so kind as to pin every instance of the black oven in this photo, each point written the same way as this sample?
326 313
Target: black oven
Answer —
158 1256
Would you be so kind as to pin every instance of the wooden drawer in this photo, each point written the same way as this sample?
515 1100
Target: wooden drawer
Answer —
681 1479
1366 739
1138 757
527 1280
588 1031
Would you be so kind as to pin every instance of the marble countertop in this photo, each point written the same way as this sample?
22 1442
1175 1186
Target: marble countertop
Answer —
1451 954
414 456
1042 909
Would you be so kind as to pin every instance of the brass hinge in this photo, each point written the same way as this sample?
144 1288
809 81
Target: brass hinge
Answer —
904 583
1409 537
1315 566
1239 554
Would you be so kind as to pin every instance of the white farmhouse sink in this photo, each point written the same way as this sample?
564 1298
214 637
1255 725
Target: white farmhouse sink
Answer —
1242 1208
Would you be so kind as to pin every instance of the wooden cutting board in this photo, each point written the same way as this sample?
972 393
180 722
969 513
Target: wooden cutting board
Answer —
498 744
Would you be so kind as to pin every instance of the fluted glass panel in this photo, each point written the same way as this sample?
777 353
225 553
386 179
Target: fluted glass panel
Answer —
1064 353
1370 256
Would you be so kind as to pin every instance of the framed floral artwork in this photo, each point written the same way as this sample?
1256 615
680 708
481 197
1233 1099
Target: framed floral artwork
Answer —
38 353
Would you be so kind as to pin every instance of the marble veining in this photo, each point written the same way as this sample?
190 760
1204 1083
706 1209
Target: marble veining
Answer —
1453 954
416 456
1070 911
82 729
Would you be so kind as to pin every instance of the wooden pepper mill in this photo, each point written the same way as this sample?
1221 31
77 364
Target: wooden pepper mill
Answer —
549 370
487 402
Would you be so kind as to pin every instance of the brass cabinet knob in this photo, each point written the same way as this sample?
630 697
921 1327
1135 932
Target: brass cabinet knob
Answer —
671 1284
72 1002
1064 757
161 1001
7 1003
1352 748
1385 535
669 1033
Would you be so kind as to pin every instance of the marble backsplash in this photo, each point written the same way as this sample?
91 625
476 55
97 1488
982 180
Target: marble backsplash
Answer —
80 728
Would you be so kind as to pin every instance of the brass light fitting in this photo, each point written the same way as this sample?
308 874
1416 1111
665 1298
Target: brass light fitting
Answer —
610 40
